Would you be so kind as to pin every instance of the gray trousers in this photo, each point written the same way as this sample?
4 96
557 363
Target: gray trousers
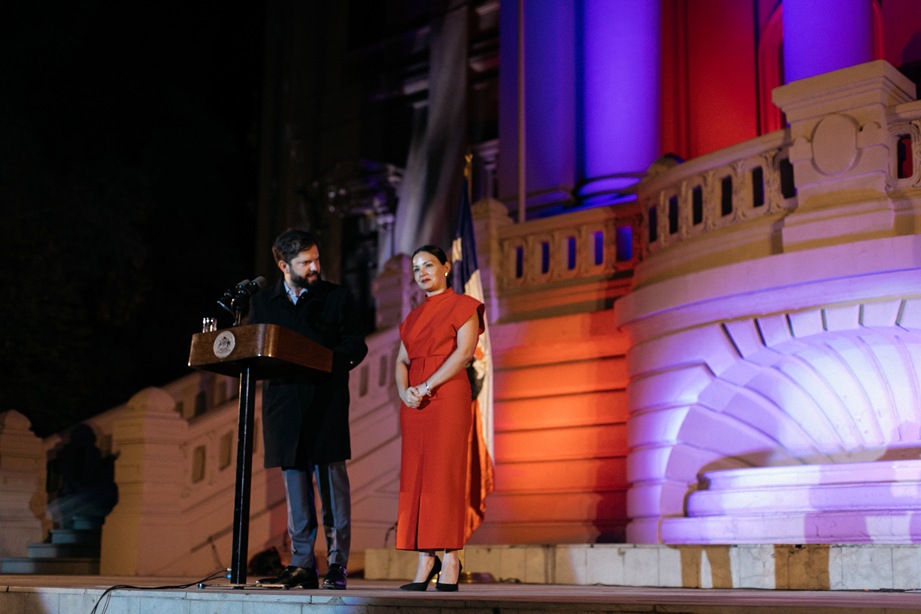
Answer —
335 501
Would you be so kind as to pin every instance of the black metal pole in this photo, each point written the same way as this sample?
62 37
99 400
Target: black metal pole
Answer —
244 475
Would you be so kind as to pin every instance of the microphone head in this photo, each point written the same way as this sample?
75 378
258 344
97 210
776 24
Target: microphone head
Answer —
248 288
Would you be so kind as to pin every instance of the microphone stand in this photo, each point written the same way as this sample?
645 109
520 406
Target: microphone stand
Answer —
236 301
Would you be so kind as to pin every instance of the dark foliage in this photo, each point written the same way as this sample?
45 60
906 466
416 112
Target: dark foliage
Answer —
127 192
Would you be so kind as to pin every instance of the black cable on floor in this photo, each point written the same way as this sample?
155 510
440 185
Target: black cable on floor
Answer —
217 574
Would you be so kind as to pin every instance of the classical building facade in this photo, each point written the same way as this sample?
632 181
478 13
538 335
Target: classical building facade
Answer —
699 240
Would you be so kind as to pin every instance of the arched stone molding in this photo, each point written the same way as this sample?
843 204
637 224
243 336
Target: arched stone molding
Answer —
809 358
836 384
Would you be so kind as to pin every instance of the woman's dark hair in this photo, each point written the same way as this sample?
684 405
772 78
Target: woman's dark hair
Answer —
433 250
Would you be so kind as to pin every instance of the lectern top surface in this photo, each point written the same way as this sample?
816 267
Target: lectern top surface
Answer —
274 351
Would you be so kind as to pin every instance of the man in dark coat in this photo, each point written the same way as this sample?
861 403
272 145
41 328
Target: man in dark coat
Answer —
305 420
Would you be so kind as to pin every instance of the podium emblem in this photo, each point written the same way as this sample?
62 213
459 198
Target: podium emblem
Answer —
224 344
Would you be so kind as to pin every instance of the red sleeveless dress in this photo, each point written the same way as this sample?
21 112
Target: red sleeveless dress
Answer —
433 470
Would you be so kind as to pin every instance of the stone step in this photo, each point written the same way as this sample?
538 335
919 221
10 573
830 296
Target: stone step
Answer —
881 498
88 523
850 527
791 566
884 472
49 551
76 536
74 566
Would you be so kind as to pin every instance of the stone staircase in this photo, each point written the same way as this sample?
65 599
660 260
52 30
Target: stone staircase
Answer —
72 551
872 502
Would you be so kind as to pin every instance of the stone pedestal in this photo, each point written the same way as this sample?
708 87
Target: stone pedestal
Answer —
138 535
842 152
22 485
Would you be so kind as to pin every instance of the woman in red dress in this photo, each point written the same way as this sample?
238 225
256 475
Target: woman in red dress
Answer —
437 342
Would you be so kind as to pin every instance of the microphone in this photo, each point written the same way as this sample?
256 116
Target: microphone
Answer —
248 288
257 284
233 299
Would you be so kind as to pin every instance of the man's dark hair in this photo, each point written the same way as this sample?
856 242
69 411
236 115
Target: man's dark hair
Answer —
292 242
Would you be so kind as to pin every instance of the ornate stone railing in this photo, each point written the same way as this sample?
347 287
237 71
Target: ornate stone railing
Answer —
848 168
846 151
576 262
749 181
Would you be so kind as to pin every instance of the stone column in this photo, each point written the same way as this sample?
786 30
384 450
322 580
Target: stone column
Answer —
547 106
825 35
621 58
584 85
22 485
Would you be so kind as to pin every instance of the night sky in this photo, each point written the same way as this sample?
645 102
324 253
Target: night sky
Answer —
128 182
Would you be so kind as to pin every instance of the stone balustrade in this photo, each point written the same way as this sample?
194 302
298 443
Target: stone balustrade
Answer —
749 181
574 263
852 149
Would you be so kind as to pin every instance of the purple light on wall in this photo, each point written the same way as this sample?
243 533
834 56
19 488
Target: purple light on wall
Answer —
825 35
550 105
621 53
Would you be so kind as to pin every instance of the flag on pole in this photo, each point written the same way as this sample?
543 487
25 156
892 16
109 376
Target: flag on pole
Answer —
466 280
466 277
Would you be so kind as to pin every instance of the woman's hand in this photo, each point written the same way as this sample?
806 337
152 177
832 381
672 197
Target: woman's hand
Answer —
412 397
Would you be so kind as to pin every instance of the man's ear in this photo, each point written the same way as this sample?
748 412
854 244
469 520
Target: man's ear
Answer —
283 266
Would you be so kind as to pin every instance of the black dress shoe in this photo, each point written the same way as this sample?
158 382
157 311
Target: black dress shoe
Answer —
305 577
335 577
421 586
450 588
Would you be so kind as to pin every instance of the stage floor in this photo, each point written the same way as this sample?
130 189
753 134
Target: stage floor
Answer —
21 594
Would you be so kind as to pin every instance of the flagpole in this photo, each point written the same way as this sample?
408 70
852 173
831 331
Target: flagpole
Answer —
468 174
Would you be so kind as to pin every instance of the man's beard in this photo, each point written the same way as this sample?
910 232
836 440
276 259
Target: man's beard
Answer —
302 282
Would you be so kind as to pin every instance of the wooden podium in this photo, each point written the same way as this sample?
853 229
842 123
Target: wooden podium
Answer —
253 351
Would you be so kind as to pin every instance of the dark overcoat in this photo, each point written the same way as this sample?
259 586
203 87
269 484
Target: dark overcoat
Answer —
306 419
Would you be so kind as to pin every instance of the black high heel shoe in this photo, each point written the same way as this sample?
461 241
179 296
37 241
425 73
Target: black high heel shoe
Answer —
450 588
421 586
